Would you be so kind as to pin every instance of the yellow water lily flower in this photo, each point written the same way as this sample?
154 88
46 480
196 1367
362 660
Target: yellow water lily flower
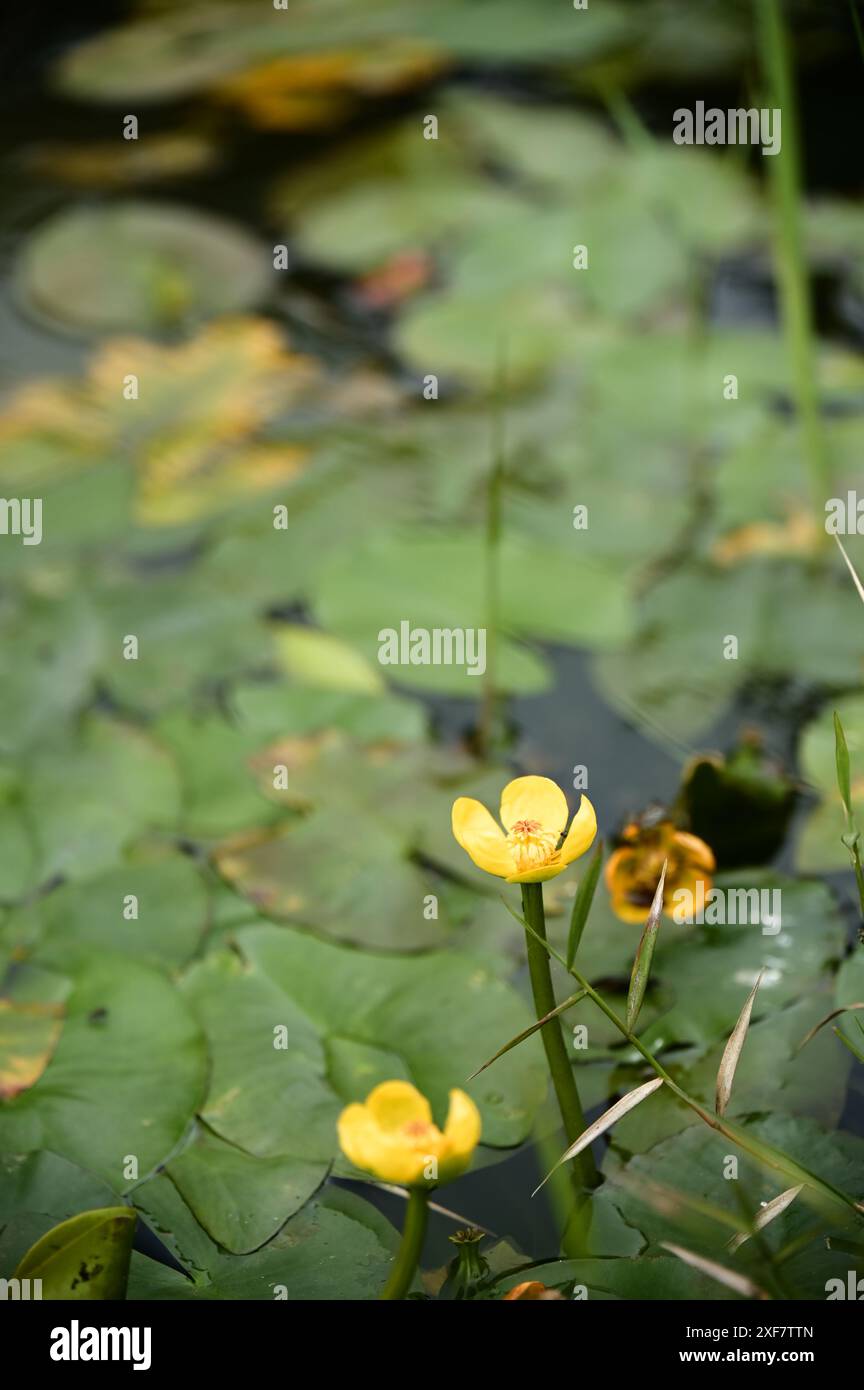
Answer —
633 870
529 849
392 1135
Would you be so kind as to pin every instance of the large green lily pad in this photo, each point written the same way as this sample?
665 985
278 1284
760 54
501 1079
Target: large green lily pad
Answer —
383 1013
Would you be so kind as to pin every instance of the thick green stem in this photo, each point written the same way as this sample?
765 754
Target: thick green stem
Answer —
552 1033
411 1247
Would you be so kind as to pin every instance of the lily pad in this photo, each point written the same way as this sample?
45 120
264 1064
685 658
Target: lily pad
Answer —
29 1033
139 265
241 1200
271 1101
432 582
153 912
57 643
675 680
92 795
86 1257
372 896
96 1104
337 1247
37 1191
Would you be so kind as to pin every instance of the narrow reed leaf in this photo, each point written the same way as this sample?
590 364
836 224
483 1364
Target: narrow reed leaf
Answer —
732 1051
527 1032
841 754
606 1121
829 1018
767 1214
847 1042
645 954
852 837
737 1282
582 903
851 568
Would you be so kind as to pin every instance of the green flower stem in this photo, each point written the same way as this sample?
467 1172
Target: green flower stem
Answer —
411 1247
552 1033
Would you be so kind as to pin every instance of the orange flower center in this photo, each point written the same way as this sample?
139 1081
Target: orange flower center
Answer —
417 1127
533 847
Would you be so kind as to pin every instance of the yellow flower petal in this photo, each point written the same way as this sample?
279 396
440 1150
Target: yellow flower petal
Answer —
476 830
382 1153
695 850
462 1130
626 911
534 798
546 871
394 1104
582 830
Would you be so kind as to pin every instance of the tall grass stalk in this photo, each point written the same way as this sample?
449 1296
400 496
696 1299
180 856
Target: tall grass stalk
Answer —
487 724
785 172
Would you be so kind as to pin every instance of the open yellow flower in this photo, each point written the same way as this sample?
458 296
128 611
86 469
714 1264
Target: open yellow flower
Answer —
392 1135
534 814
633 870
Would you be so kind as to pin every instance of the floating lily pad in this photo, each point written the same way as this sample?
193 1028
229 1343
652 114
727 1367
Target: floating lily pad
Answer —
125 1079
437 582
373 896
91 796
29 1033
57 642
241 1200
222 786
337 1247
153 912
675 680
316 659
85 1257
38 1190
271 1101
139 266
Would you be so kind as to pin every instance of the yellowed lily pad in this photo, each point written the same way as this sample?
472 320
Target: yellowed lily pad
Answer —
29 1033
84 1258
